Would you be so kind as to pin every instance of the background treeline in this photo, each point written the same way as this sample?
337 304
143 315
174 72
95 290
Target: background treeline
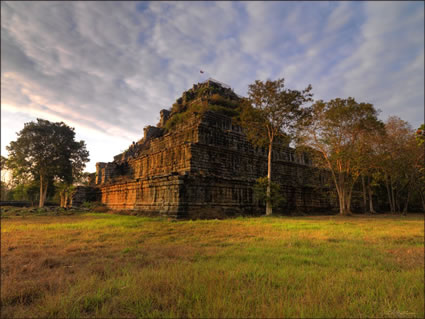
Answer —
390 176
28 192
45 162
343 137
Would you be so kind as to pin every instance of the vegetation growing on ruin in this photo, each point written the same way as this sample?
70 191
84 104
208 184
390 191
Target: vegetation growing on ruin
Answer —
113 266
276 196
200 99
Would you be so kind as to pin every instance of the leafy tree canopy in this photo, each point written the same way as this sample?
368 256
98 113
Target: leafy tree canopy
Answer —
46 151
420 134
272 111
270 115
339 131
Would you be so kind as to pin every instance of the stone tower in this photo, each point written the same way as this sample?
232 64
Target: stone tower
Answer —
197 163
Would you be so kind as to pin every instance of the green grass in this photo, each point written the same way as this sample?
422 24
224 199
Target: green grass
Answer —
104 265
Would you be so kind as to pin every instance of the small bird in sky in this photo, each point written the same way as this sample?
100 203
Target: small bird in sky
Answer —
202 71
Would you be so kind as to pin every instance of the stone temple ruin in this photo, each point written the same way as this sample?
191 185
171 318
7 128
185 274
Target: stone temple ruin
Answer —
197 163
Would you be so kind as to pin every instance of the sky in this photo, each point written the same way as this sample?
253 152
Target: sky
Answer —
108 68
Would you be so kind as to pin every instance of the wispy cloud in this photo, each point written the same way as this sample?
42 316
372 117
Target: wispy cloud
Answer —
107 68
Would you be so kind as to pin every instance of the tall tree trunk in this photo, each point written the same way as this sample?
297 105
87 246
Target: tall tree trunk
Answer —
364 195
348 202
338 192
369 188
66 199
62 197
422 199
407 200
389 194
269 209
45 192
341 203
393 195
41 201
346 196
342 194
371 209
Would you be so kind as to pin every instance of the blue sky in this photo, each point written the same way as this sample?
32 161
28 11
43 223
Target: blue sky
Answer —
108 68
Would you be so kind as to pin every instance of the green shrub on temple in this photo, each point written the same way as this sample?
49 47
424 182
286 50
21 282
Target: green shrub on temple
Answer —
203 97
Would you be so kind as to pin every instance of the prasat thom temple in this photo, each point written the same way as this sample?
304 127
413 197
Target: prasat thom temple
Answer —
197 163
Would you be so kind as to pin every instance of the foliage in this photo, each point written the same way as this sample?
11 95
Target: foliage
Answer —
399 161
45 151
197 108
95 207
420 139
26 192
338 131
3 163
178 118
271 113
272 110
65 192
200 99
276 196
218 99
5 184
223 110
420 135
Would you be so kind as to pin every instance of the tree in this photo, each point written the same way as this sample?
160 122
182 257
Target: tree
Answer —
65 191
26 192
260 191
5 183
400 162
420 139
45 151
370 158
420 135
337 131
270 115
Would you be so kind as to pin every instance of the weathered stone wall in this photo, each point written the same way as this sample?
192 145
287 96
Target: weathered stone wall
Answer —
213 197
84 194
224 167
152 180
165 155
153 195
206 168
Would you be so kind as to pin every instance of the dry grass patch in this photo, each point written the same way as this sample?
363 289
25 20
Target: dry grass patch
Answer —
408 257
102 265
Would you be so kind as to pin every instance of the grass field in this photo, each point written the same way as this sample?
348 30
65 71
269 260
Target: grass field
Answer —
104 265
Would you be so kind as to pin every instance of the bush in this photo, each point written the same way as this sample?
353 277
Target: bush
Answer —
97 207
87 204
220 100
260 192
101 208
223 110
188 104
27 192
179 118
178 108
174 120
